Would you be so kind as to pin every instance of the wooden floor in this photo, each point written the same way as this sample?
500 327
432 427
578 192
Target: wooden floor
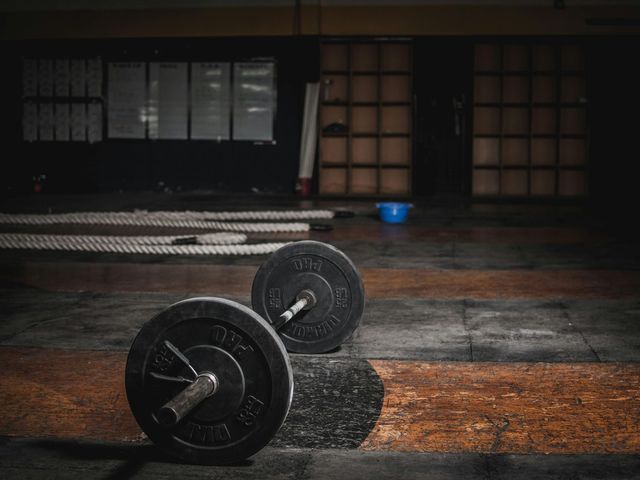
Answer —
235 280
496 343
508 408
428 407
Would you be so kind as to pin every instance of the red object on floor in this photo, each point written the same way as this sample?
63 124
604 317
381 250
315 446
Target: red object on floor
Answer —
303 187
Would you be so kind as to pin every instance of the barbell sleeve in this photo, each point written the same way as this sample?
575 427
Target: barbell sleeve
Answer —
305 300
179 406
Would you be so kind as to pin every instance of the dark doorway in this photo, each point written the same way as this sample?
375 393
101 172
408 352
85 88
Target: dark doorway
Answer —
442 85
614 102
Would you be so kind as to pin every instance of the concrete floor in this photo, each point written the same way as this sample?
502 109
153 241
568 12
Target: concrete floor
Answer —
491 290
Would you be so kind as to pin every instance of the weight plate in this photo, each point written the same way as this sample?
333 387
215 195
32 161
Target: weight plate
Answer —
335 282
244 353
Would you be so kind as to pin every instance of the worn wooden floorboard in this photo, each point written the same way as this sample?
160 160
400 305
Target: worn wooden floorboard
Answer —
427 406
508 408
500 284
65 394
527 235
379 282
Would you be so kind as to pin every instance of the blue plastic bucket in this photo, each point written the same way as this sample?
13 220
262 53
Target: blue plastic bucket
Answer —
393 212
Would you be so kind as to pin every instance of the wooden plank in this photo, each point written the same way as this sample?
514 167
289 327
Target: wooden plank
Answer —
54 393
379 282
133 277
331 20
428 407
508 408
493 235
500 284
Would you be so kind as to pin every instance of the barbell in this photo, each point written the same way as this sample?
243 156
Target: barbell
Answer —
209 380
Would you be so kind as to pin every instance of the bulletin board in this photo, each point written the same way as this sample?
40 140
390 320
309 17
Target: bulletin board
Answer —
220 101
127 94
254 103
58 94
210 101
168 101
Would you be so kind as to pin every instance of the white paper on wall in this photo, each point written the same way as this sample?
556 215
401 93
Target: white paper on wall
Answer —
78 122
62 77
126 112
45 77
63 122
45 121
94 77
78 78
253 100
29 77
30 122
210 101
94 120
168 108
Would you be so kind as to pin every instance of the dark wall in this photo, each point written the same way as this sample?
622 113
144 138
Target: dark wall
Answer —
142 164
614 108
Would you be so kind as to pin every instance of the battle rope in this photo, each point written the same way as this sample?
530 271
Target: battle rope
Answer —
139 245
222 238
224 243
188 219
151 221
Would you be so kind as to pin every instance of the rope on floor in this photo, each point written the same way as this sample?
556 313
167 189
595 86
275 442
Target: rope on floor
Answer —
224 243
215 244
151 221
262 215
187 219
222 238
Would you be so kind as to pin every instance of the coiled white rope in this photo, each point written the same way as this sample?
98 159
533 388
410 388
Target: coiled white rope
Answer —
187 219
138 245
150 221
224 243
260 215
222 238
